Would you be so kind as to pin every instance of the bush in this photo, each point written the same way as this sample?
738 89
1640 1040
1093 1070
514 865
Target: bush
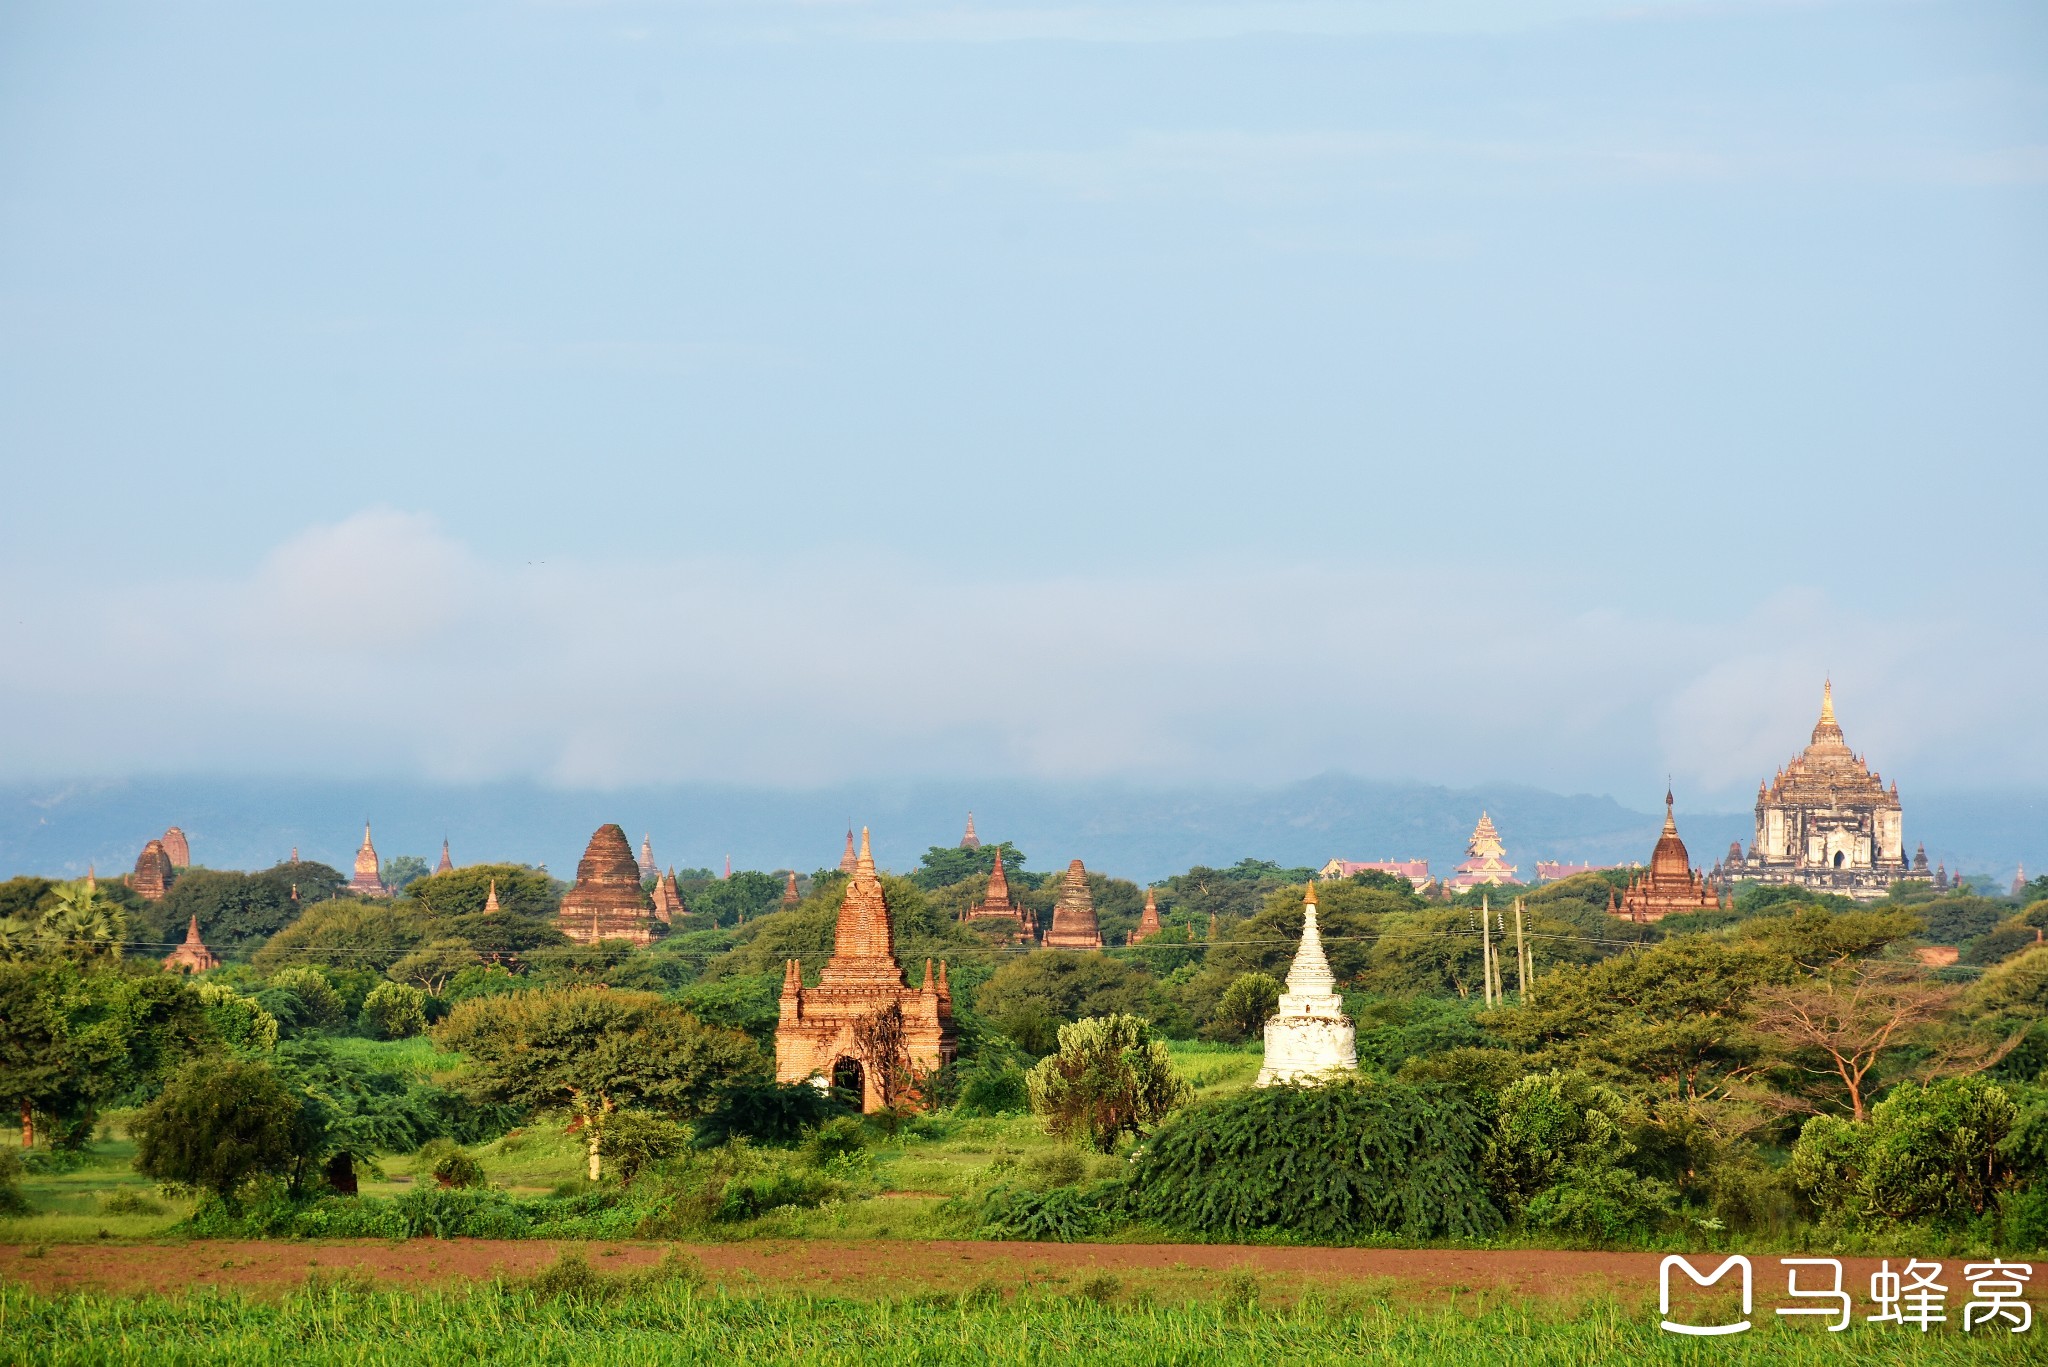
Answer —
767 1113
1936 1153
1109 1078
126 1201
993 1091
1245 1005
1556 1159
635 1141
12 1201
1330 1162
319 1003
219 1123
394 1011
1056 1215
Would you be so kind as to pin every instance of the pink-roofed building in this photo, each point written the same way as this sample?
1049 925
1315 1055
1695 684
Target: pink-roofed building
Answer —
1416 871
1550 870
1487 863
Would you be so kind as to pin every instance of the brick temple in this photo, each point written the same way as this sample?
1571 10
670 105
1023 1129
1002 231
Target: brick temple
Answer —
1148 920
1073 916
1000 907
1670 886
176 847
192 956
606 903
817 1038
153 872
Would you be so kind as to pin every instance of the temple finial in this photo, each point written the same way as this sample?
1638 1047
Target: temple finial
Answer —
1827 700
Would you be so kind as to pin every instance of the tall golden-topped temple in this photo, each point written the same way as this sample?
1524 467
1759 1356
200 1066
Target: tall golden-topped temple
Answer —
819 1035
1486 860
1826 821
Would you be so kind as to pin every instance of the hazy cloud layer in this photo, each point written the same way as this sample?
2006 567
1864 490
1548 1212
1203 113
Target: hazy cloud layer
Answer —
384 644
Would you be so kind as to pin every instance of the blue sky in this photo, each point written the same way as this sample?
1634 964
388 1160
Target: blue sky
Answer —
789 393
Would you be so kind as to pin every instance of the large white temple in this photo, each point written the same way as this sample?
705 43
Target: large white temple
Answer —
1309 1038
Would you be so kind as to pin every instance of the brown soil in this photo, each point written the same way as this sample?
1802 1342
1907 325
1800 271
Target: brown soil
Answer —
869 1267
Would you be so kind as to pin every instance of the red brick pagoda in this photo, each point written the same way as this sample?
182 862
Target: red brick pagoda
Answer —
1073 916
1000 907
192 956
606 903
1148 919
1669 886
177 849
367 882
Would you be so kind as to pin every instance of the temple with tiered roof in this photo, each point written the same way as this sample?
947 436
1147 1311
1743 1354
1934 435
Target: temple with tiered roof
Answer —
1073 917
1485 862
192 956
1669 886
1148 920
819 1035
606 903
1000 907
1827 822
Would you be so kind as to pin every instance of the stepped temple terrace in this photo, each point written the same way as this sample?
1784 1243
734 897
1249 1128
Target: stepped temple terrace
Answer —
1669 886
861 1029
999 906
367 881
1827 822
1073 916
606 903
1309 1037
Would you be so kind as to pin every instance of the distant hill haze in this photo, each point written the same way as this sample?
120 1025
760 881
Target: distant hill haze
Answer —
1125 830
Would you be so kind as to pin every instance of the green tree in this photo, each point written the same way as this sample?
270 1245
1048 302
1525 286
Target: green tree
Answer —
522 891
595 1051
1819 941
1108 1079
236 911
37 1053
221 1123
1556 1158
429 967
1245 1006
319 1003
402 870
394 1011
349 934
1028 997
1933 1153
726 901
945 865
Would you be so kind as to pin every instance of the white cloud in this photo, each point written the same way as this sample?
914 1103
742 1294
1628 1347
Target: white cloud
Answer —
384 645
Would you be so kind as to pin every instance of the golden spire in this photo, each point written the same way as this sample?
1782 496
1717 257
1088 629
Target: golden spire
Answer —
1308 897
491 900
1827 701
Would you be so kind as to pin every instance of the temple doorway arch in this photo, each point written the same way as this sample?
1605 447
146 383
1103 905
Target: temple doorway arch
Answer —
1838 859
849 1076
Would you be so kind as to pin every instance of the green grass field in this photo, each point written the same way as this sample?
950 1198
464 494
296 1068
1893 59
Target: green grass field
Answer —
653 1318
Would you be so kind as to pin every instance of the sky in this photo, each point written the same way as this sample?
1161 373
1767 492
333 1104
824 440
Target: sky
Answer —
1549 392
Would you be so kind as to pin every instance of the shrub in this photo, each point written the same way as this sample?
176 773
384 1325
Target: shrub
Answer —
394 1011
836 1140
1245 1004
635 1141
220 1123
1936 1153
12 1201
1056 1215
1556 1159
320 1004
993 1091
126 1201
1330 1162
767 1113
1109 1078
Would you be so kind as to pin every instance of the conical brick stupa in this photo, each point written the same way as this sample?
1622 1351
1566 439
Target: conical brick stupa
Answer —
1309 1038
606 903
999 906
1073 916
1148 919
368 882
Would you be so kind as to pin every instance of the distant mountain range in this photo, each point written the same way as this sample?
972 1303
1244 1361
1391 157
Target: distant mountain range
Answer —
1127 830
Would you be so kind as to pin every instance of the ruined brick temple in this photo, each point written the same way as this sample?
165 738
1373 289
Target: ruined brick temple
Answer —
1073 917
153 872
818 1038
1827 822
1148 920
606 903
1669 886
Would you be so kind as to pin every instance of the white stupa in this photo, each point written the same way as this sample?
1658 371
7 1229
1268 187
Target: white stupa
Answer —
1309 1038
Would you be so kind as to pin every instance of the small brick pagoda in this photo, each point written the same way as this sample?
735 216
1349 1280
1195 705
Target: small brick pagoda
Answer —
606 903
1148 920
193 956
790 897
153 872
817 1039
668 901
176 847
446 865
998 905
848 860
1073 916
648 868
367 882
1669 886
970 841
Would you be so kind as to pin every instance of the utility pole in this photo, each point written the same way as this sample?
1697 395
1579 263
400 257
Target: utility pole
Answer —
1521 957
1485 949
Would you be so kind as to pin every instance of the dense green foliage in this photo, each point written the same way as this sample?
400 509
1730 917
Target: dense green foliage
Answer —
220 1122
1329 1163
1109 1078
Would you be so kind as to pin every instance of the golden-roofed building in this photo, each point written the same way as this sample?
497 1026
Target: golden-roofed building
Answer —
1485 862
1669 886
1826 821
367 882
862 1029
